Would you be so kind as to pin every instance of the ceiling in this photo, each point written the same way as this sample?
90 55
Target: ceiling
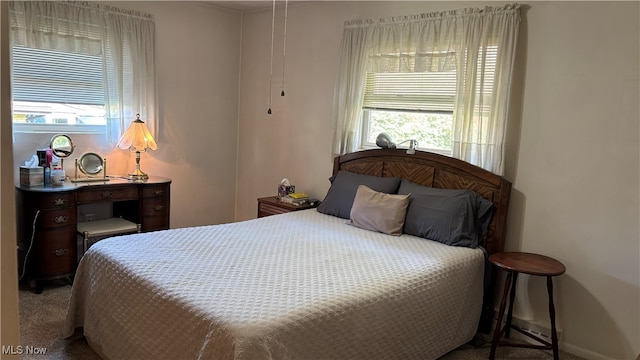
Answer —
249 5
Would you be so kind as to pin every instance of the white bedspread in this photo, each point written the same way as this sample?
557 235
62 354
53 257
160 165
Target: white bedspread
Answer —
302 285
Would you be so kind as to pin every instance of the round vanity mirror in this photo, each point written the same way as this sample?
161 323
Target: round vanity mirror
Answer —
90 163
61 145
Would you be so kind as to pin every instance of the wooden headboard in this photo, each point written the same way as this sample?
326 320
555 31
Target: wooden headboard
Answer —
437 171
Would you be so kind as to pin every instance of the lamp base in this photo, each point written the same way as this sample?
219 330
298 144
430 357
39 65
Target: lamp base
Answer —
138 175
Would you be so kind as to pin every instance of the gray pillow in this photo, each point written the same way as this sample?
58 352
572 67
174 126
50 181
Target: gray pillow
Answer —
376 211
450 216
339 198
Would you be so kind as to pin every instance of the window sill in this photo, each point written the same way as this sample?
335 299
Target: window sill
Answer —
435 151
59 128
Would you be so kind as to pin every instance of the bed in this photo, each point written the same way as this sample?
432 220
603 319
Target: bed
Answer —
301 285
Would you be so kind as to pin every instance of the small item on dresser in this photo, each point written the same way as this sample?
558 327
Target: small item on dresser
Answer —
42 157
31 176
288 199
297 195
49 155
285 188
47 176
313 202
58 177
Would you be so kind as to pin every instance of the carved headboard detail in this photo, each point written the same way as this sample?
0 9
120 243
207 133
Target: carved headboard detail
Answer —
437 171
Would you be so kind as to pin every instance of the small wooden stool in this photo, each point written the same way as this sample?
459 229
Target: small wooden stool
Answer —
104 228
532 264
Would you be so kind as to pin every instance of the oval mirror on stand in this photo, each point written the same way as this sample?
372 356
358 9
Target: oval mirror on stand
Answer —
91 164
62 147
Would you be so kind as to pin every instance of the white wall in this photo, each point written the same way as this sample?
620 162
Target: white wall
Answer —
577 171
10 330
573 147
198 64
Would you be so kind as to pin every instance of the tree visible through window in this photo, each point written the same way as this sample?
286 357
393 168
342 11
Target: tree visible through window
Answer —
413 105
431 130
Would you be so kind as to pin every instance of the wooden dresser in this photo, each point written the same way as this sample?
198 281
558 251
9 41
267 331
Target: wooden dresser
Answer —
47 218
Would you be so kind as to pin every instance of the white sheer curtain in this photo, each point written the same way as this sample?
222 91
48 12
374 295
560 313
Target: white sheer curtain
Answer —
125 40
478 43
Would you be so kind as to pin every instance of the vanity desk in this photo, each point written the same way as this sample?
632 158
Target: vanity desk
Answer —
47 219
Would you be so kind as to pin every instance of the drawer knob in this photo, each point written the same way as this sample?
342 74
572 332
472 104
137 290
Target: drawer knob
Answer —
61 252
59 202
60 219
159 207
159 192
106 194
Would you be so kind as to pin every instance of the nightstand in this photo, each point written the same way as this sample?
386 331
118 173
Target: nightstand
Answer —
515 263
272 206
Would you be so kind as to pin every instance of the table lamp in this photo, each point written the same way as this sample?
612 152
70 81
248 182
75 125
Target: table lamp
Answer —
137 138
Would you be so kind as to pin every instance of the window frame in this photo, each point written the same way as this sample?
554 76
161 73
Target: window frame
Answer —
381 93
363 131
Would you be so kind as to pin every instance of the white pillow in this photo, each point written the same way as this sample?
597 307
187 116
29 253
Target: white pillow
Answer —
377 211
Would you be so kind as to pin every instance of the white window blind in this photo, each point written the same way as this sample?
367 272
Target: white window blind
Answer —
57 77
425 91
429 91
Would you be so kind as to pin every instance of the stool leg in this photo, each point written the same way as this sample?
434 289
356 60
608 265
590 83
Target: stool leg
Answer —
552 315
498 331
85 242
512 297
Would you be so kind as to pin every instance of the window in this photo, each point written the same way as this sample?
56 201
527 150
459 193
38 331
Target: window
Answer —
55 91
419 105
416 106
443 67
81 67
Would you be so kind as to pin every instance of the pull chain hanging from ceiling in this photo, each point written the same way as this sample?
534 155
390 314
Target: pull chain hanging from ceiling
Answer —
284 42
273 19
284 48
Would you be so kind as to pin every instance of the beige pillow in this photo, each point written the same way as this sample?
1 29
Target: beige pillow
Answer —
376 211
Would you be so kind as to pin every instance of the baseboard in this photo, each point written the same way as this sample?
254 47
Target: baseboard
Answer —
539 330
582 352
543 331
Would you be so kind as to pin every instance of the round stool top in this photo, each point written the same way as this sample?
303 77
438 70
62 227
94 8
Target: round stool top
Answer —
528 263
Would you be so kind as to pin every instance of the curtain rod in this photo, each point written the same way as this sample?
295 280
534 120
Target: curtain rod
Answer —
431 15
109 9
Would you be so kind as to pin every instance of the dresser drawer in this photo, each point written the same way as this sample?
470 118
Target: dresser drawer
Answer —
155 207
108 194
56 253
154 223
268 209
155 191
56 218
55 201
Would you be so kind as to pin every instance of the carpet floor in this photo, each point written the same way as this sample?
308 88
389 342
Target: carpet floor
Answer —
42 317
